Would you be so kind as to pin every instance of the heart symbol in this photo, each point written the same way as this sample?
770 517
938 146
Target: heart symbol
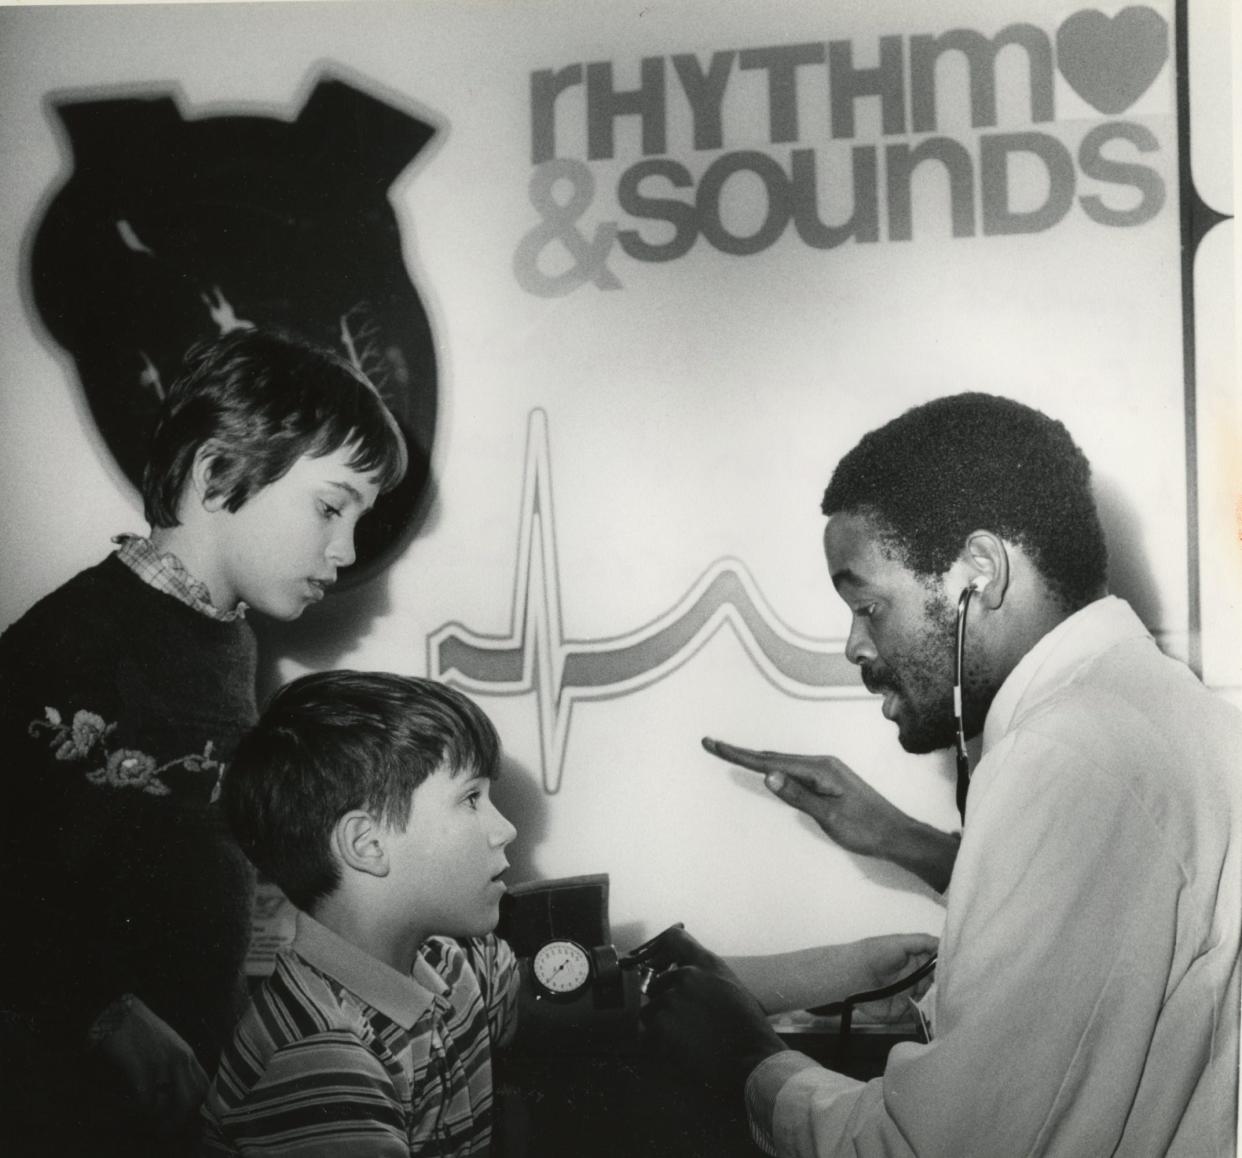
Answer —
1110 63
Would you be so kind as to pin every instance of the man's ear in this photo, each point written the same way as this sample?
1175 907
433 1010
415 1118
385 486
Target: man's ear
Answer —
358 841
988 559
201 477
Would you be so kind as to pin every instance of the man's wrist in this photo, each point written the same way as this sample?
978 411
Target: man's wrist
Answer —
926 851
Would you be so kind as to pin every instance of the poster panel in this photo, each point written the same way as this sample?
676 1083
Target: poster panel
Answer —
635 277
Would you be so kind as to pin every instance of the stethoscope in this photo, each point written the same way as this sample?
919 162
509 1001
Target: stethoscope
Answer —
963 758
846 1007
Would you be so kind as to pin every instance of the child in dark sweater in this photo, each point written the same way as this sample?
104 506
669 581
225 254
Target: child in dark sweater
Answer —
122 695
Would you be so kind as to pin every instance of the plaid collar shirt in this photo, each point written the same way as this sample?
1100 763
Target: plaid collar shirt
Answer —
166 573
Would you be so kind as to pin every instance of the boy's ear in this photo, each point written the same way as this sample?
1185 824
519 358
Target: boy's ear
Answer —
205 492
357 840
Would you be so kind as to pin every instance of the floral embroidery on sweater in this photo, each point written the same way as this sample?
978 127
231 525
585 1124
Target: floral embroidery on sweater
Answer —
87 737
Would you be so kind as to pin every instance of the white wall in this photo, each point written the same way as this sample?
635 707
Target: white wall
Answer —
693 415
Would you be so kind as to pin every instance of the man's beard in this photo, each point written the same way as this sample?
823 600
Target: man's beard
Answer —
923 679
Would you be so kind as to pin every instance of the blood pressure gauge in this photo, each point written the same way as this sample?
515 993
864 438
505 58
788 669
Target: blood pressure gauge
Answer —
561 969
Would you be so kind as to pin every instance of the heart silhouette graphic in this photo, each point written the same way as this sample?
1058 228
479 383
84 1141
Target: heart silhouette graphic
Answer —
168 224
1111 62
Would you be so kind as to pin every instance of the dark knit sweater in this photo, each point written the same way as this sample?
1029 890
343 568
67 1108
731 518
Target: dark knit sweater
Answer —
118 706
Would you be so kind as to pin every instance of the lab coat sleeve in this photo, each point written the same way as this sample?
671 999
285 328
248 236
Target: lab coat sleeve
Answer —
1056 956
795 1076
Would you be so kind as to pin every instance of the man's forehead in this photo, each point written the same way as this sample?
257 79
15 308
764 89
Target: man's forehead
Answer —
860 550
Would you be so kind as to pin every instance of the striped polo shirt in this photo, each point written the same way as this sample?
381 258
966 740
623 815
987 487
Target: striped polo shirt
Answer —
339 1054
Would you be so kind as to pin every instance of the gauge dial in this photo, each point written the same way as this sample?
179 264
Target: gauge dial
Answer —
561 968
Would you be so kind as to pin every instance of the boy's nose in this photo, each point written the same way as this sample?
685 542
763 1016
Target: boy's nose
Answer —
502 832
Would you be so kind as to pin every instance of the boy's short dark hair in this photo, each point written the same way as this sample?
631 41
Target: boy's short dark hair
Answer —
336 741
971 462
263 399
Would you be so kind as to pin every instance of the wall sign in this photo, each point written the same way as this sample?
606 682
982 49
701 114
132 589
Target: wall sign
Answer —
1007 173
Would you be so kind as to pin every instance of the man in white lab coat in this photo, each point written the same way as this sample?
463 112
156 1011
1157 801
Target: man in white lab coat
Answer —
1086 995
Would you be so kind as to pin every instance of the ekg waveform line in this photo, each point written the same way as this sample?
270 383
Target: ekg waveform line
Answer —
534 656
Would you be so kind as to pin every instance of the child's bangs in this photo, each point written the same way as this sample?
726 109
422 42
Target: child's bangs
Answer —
476 745
379 450
375 440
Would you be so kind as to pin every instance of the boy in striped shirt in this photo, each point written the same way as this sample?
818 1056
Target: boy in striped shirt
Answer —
365 797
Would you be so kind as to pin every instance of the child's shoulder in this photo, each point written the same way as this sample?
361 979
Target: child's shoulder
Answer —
69 637
295 1001
299 1034
89 598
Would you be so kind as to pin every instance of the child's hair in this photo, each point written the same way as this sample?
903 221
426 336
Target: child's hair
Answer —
263 399
336 741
